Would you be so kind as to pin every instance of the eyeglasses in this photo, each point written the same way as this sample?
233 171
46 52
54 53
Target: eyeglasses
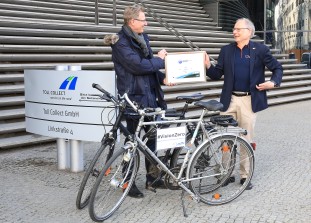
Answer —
238 29
141 20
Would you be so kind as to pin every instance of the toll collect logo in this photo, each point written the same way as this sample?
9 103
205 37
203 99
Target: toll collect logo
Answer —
72 86
60 94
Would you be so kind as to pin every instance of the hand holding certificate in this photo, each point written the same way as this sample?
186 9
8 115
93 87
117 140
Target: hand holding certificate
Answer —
185 67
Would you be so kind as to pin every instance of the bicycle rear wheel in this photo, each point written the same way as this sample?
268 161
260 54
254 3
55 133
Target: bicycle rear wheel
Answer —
217 168
97 164
113 184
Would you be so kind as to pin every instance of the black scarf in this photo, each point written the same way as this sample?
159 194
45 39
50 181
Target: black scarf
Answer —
139 39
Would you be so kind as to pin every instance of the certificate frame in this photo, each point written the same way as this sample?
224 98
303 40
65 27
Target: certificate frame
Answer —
185 67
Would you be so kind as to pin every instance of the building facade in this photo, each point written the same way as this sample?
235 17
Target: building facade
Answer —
283 24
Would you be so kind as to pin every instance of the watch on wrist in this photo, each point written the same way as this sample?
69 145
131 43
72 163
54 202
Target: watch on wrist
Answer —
275 84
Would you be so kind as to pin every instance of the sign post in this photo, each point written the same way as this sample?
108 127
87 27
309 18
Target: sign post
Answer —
76 146
63 147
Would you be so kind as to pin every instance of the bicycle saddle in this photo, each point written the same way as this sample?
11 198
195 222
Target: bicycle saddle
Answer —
211 105
191 98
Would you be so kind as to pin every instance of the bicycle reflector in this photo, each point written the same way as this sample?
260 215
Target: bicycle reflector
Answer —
216 196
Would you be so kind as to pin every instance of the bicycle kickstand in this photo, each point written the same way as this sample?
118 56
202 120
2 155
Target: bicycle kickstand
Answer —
182 197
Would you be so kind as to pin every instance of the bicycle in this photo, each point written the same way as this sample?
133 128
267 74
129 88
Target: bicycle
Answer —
109 141
203 174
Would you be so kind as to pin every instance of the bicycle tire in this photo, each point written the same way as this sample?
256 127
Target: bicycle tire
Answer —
113 185
208 180
100 158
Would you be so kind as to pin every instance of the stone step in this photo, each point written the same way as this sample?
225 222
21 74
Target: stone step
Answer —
104 18
43 25
4 39
172 21
24 140
9 101
297 83
288 99
6 128
7 114
293 77
54 49
37 6
54 57
11 89
72 19
89 6
195 5
289 91
86 66
105 11
5 78
109 65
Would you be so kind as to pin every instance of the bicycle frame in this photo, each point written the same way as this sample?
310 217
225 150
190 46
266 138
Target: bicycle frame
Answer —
141 146
137 143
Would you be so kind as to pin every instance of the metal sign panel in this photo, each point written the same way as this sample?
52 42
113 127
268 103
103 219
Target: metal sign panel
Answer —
63 104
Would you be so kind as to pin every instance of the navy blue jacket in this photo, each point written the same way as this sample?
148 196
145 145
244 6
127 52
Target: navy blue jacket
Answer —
260 57
133 70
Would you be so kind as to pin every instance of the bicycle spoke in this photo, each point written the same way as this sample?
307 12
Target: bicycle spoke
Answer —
218 180
112 185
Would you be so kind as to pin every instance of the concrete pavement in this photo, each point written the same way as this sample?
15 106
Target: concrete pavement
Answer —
34 190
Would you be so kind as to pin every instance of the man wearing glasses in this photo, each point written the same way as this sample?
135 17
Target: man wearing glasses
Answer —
244 90
138 74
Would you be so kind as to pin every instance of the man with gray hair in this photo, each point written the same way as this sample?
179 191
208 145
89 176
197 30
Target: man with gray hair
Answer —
138 75
244 90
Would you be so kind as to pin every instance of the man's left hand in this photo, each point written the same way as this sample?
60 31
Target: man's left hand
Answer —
265 86
165 81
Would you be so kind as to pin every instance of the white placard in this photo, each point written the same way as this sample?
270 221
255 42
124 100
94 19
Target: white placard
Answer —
171 137
187 67
64 104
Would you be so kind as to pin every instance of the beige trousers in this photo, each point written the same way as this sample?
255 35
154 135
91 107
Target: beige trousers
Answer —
241 109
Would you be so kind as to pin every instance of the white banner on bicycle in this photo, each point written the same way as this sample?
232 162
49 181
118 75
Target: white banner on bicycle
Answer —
171 137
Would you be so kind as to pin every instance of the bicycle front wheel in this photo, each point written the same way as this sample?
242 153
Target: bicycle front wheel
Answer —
92 172
221 169
113 184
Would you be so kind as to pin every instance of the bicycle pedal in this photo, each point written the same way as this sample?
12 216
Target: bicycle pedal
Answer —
151 189
95 173
190 198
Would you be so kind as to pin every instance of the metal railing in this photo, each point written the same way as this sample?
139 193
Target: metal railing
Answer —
170 28
114 13
156 17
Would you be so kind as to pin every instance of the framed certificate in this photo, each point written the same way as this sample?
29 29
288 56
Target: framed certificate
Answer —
185 67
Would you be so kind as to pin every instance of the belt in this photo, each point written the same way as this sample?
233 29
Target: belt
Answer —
240 93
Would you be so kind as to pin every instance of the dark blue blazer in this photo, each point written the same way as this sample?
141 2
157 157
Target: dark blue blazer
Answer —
260 57
133 70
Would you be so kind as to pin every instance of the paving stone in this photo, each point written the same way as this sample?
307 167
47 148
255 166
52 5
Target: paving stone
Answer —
34 190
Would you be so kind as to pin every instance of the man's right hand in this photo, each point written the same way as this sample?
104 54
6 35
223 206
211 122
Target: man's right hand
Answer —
162 54
207 61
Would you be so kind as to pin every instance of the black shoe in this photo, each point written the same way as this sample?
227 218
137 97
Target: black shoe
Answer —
229 180
249 186
152 185
134 192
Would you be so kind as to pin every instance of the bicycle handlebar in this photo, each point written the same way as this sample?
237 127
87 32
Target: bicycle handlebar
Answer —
146 111
110 96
